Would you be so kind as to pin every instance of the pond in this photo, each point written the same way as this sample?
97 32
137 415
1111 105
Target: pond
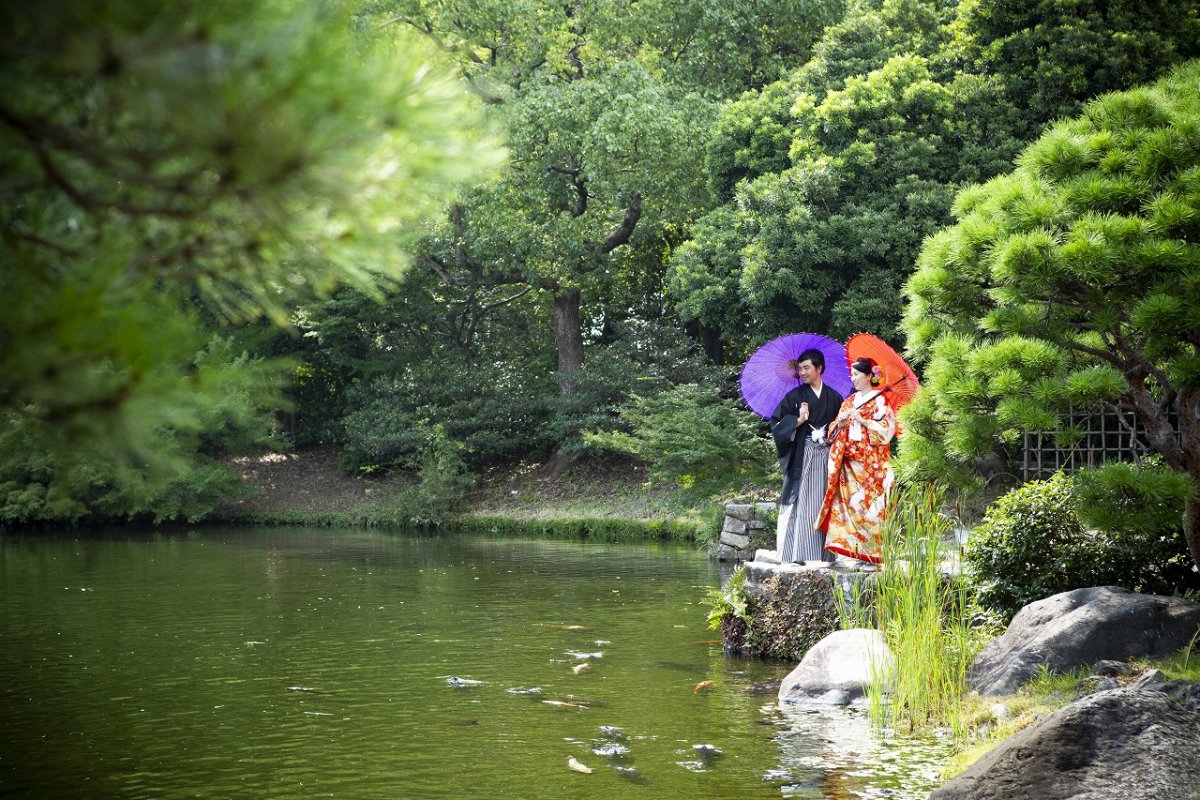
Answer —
297 663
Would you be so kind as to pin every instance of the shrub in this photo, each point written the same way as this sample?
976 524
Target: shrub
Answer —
1030 545
1033 543
689 434
443 476
641 360
729 611
500 414
729 601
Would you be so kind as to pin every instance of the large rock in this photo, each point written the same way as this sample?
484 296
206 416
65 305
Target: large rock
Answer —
739 511
1127 744
1078 628
839 668
733 525
735 540
726 553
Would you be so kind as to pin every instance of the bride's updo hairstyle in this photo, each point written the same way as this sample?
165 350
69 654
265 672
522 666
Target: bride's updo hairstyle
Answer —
868 367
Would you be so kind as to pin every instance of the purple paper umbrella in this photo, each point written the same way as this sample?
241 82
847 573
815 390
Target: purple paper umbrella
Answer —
770 372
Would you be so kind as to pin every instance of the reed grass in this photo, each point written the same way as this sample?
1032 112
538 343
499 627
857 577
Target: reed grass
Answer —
924 613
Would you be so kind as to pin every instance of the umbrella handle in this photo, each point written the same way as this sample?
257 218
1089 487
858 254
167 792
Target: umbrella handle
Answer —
878 392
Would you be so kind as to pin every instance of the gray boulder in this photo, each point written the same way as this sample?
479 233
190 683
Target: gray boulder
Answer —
838 669
1077 629
727 553
739 511
1127 744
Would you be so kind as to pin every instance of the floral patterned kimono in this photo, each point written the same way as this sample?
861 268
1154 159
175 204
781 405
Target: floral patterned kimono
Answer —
860 480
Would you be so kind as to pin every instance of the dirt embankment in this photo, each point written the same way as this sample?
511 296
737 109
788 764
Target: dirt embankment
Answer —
308 481
311 481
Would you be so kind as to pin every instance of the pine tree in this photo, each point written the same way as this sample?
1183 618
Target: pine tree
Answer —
1071 283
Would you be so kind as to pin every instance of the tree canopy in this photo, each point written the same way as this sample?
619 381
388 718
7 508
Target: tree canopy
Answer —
604 104
833 176
1071 283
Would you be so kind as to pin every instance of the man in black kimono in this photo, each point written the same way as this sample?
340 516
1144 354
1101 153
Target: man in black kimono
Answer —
798 426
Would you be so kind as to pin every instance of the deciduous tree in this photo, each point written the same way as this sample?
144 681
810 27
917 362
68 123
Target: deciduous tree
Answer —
606 104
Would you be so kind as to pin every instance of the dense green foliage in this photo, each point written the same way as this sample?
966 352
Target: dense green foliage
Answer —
208 215
807 210
1032 543
1071 284
509 409
688 433
69 481
601 103
167 170
1139 508
1029 546
832 177
1147 497
603 106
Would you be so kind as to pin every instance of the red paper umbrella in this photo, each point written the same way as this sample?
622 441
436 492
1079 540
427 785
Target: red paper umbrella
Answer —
899 384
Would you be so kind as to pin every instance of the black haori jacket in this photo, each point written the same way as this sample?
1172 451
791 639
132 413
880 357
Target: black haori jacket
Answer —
790 440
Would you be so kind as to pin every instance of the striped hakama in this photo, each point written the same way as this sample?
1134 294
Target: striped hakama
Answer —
795 539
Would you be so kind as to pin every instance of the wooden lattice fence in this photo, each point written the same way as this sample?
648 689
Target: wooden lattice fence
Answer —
1107 436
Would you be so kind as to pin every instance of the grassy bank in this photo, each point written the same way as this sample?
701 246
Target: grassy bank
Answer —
991 720
608 529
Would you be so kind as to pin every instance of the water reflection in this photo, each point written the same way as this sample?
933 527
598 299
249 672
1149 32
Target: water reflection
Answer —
834 753
294 663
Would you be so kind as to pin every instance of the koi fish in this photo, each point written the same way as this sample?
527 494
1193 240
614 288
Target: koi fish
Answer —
454 680
563 704
702 685
575 765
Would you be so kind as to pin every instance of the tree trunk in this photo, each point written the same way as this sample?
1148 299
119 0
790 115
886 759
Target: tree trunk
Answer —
1189 435
1191 524
714 345
568 338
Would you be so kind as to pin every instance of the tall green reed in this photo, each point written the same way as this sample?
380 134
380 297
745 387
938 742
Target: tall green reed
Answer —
924 614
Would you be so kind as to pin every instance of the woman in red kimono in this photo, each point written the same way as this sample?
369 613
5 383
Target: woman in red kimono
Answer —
860 469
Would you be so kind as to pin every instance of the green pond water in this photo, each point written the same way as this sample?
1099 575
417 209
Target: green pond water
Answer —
358 664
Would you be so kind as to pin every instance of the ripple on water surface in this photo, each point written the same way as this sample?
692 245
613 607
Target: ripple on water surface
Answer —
294 663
